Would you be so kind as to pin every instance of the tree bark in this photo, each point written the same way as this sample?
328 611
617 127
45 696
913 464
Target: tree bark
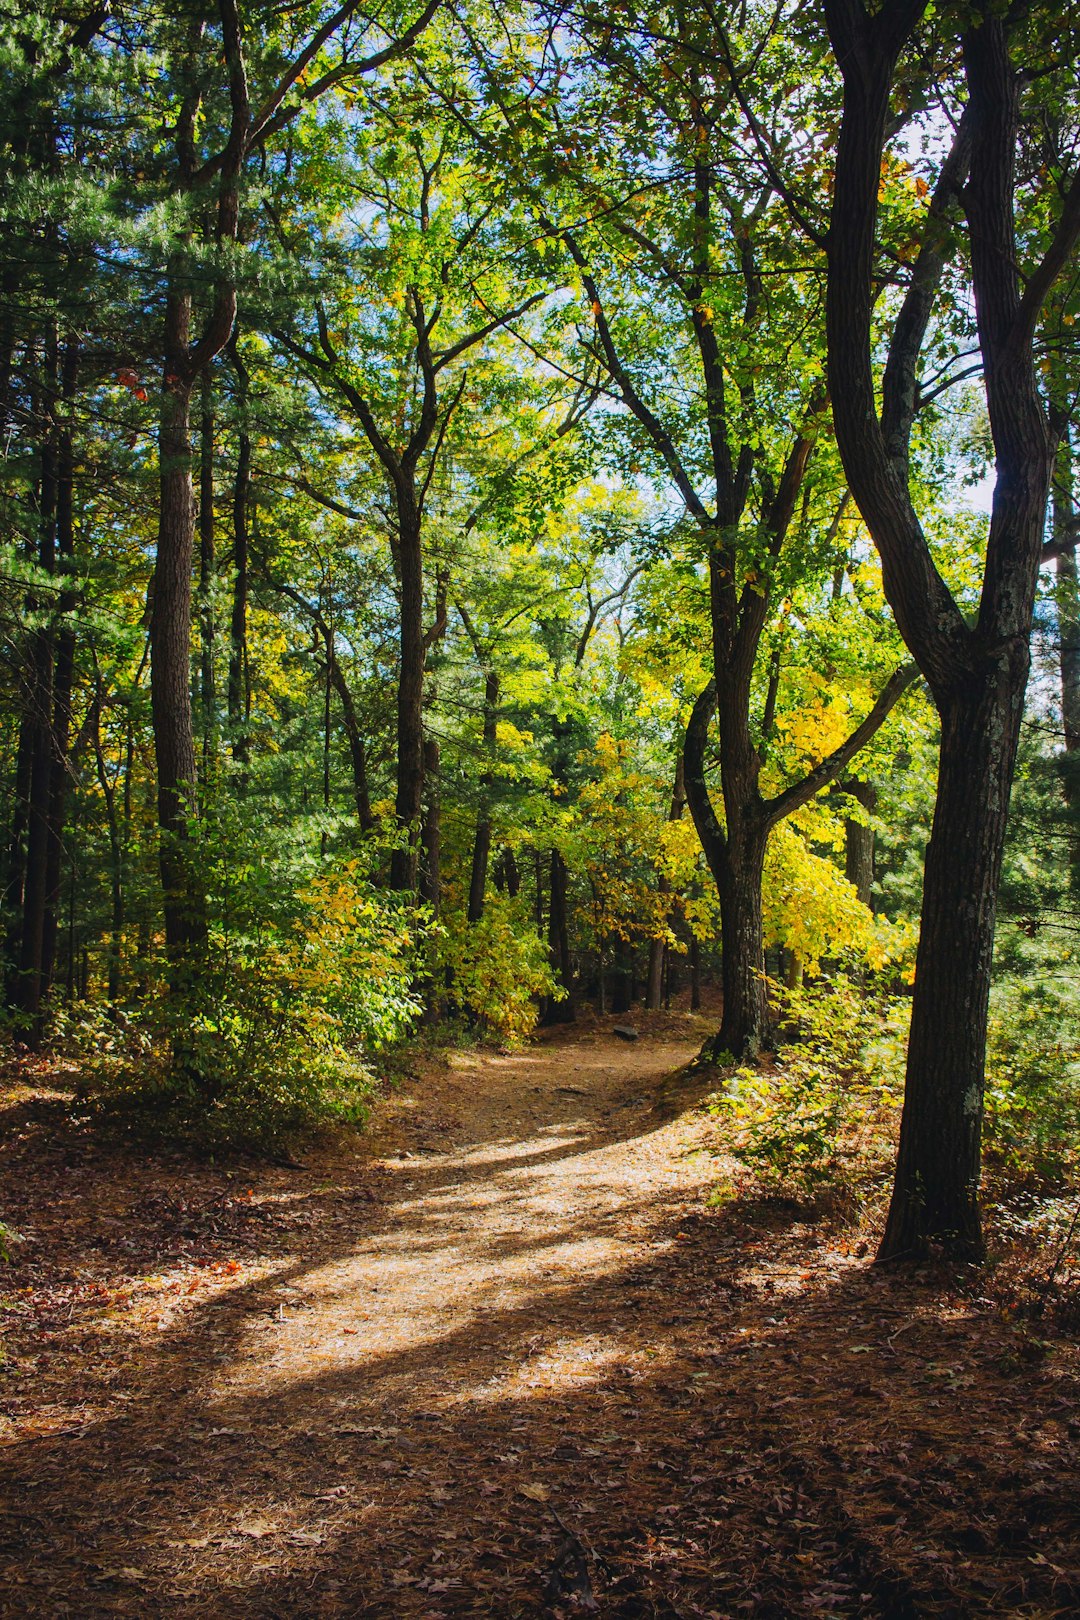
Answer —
64 672
482 839
409 799
431 830
935 1197
654 980
170 646
859 841
207 566
238 696
562 1011
977 674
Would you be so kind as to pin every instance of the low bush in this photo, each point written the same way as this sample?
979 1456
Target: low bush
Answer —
821 1113
307 973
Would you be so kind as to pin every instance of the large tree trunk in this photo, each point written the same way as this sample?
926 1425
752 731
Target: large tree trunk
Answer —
977 672
937 1175
744 1027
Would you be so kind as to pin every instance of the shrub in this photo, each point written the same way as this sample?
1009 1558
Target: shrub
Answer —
497 967
307 972
818 1116
1032 1099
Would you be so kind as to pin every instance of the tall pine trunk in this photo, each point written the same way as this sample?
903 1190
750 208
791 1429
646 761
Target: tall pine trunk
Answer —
170 646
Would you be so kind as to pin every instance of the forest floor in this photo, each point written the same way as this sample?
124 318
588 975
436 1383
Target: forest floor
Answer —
367 1386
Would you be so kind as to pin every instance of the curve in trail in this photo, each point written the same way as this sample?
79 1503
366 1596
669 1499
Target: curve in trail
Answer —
376 1421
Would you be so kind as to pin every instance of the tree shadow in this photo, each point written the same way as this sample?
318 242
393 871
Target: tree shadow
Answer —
727 1431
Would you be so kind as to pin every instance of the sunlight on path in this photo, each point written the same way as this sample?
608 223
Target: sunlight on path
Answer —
481 1246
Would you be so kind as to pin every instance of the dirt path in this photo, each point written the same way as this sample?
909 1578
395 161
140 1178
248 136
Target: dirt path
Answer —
361 1388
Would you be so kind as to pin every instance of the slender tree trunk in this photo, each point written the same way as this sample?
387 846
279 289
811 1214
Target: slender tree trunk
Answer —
170 643
29 984
116 855
507 875
658 946
410 697
355 740
238 639
482 839
559 1012
431 829
64 675
207 563
622 995
16 861
1068 614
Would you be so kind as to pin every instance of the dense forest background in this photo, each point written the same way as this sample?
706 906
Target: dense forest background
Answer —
502 508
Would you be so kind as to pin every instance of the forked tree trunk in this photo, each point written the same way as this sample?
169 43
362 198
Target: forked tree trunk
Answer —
977 672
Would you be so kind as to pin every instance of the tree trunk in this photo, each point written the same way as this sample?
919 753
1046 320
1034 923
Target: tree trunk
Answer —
207 562
559 1012
482 839
859 841
658 946
170 643
507 875
354 737
744 1028
63 677
28 984
935 1197
238 702
1068 614
431 829
410 696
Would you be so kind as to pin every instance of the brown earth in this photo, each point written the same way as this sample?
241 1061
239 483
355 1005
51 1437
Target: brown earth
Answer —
368 1386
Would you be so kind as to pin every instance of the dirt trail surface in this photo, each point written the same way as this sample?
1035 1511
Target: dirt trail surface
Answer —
361 1387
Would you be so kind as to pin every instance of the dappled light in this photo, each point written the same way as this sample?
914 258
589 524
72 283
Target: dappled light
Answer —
369 1396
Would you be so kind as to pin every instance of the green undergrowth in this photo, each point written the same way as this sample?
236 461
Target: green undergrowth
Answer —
307 975
817 1120
813 1122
